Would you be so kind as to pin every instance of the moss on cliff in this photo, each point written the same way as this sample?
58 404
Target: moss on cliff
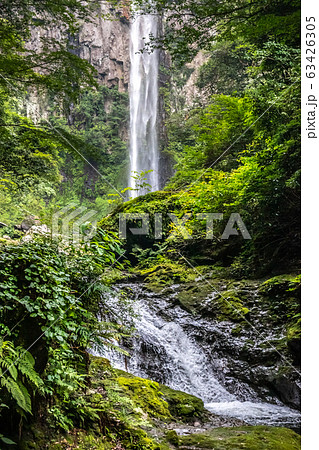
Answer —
202 297
281 296
164 272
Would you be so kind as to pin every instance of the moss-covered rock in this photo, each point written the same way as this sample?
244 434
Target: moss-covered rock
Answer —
252 438
172 437
182 406
147 395
164 272
229 306
160 401
192 297
281 284
281 296
202 298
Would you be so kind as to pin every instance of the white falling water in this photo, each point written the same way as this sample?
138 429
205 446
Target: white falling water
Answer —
164 346
143 104
179 357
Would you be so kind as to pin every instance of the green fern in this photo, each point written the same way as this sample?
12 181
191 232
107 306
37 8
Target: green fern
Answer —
18 393
17 368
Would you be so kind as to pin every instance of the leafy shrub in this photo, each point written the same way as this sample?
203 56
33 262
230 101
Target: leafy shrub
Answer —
48 319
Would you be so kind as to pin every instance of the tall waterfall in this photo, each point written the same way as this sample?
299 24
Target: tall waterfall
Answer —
144 153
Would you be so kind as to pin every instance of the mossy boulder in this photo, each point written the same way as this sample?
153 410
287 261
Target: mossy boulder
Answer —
160 401
248 437
281 296
182 406
229 306
172 437
281 284
147 395
192 297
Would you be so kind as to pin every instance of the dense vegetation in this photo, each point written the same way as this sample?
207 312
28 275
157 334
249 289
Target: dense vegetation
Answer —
50 107
236 150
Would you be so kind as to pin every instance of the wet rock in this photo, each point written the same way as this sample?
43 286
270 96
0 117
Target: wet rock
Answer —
288 391
246 357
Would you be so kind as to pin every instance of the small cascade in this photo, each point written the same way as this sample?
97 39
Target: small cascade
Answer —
165 352
169 347
144 154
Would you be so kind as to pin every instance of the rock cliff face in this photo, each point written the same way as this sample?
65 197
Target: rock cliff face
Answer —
103 41
105 44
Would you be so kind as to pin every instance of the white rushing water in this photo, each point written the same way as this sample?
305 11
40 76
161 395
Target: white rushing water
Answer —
144 154
165 350
256 413
179 357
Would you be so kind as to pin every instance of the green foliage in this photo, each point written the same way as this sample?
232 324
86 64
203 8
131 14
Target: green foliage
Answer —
37 171
49 303
252 138
35 153
51 66
16 374
219 125
190 24
225 71
29 163
98 120
141 184
238 154
241 153
97 127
